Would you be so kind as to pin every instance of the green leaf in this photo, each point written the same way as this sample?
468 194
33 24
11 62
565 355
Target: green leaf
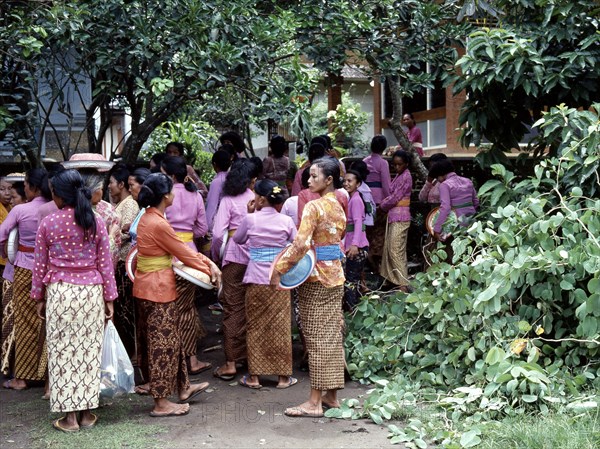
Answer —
470 438
495 356
529 398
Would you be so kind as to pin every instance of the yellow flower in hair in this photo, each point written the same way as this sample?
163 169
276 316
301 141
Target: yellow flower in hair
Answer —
276 189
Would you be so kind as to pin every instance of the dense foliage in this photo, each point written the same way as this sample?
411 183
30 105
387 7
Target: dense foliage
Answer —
150 58
541 53
512 323
197 138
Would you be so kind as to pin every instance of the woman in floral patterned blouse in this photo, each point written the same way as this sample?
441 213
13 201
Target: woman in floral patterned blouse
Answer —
322 228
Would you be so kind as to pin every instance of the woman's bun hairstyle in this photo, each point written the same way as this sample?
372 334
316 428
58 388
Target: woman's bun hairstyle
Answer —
270 190
155 187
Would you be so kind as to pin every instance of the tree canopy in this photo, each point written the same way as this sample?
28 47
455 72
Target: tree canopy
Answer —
541 53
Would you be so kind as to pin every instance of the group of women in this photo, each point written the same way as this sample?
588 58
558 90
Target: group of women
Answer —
70 269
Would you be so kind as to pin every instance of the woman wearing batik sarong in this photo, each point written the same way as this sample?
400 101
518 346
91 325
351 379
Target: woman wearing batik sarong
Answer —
74 285
31 359
322 227
268 310
397 205
154 286
126 209
187 216
8 318
232 210
379 181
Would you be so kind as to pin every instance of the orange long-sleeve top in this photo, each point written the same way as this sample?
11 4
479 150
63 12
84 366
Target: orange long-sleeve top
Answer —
156 238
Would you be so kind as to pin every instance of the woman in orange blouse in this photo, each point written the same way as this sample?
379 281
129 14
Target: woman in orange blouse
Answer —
322 227
155 286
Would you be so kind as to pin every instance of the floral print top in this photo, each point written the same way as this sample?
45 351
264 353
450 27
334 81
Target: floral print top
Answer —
323 223
106 211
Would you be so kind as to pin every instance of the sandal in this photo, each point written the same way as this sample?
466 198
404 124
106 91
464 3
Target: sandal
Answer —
244 383
291 382
226 377
8 385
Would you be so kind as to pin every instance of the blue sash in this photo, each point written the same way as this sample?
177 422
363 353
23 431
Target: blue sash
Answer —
329 252
134 225
264 254
376 184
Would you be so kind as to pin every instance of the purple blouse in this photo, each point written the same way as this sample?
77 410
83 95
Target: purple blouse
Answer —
26 217
430 193
356 218
9 272
379 177
416 138
456 193
265 228
187 214
62 253
290 208
401 189
232 211
214 196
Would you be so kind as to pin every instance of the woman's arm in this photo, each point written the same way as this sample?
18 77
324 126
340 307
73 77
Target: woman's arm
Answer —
220 226
200 228
241 234
104 262
302 242
445 207
40 266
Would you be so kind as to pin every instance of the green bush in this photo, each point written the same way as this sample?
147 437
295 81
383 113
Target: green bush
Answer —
197 137
512 324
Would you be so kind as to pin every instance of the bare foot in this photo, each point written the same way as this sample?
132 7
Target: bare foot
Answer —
226 372
330 402
195 366
192 392
168 408
143 389
306 409
15 384
87 419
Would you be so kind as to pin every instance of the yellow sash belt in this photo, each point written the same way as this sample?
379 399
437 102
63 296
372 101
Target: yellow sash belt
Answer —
148 264
186 236
231 232
403 203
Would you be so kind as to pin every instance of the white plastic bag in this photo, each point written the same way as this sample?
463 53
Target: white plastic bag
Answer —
116 370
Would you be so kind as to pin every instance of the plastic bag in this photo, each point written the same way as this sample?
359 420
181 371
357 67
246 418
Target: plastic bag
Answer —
116 370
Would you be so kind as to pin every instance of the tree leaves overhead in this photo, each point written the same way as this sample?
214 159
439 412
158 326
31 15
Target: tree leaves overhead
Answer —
541 54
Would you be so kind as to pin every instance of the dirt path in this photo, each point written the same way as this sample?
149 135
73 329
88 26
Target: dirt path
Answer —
225 416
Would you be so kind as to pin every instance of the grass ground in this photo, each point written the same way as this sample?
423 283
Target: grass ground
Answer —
121 427
549 432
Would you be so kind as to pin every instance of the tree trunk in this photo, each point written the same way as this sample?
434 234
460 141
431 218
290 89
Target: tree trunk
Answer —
416 165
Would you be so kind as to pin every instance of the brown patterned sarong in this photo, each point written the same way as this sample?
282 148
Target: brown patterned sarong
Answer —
376 234
167 366
75 331
321 313
31 358
269 331
8 330
393 262
190 326
141 336
233 299
125 310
